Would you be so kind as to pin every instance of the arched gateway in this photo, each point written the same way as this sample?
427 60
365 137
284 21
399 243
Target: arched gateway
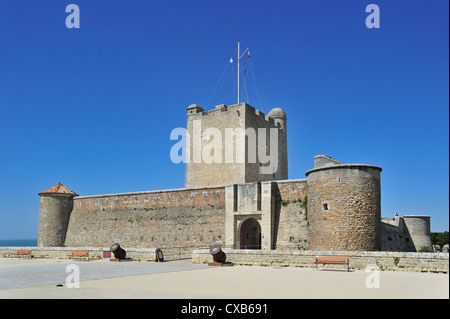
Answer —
250 234
249 215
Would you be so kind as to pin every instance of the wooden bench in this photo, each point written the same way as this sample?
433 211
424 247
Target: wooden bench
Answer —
81 254
337 260
24 253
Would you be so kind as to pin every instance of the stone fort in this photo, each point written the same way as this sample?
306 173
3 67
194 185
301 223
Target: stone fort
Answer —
337 207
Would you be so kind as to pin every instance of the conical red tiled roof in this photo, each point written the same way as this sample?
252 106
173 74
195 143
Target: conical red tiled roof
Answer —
58 189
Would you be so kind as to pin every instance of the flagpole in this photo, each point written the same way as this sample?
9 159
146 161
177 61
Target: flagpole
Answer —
239 56
239 59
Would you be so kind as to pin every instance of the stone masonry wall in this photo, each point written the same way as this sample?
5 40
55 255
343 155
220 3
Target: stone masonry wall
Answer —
54 214
258 120
291 216
359 260
344 208
223 172
394 261
183 217
199 174
95 253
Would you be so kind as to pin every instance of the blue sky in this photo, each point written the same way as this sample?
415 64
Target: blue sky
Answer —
93 107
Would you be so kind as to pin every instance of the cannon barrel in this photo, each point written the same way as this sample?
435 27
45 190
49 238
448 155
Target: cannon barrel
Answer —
118 251
218 255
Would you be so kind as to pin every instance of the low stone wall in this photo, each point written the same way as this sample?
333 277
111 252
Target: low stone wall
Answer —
95 253
359 260
396 261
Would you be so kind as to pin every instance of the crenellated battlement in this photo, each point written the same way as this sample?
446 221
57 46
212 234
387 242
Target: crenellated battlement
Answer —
197 112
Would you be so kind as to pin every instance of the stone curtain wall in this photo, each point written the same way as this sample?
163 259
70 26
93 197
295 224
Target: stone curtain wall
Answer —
359 260
183 217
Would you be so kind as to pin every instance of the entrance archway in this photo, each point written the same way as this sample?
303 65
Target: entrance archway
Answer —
250 234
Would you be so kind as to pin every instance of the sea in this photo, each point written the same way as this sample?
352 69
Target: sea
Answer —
18 242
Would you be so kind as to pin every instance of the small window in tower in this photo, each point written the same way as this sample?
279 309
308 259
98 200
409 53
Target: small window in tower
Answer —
325 206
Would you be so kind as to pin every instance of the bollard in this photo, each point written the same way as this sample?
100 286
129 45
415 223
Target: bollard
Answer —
159 255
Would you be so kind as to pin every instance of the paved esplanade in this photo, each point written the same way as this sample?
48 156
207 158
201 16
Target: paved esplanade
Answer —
20 278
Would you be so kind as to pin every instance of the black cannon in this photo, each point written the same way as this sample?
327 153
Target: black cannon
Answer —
118 251
218 255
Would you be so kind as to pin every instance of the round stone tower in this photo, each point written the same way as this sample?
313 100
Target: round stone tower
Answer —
417 234
344 206
279 117
55 207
